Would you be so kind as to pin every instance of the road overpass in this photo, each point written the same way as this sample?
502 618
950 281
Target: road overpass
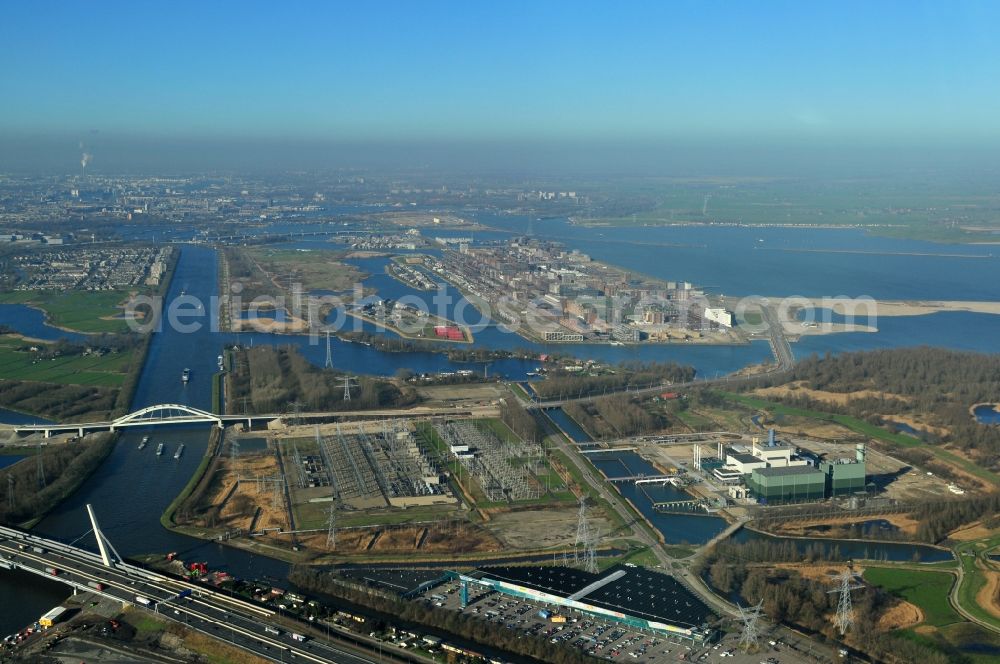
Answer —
158 415
242 623
169 414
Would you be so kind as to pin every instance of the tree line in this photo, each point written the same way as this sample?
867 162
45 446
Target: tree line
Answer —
64 403
933 384
936 520
453 622
520 421
272 378
561 383
65 467
740 572
614 417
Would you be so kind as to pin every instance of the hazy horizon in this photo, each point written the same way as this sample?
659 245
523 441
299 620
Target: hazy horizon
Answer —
117 154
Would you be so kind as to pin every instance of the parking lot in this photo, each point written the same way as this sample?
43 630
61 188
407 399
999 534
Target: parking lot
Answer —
604 639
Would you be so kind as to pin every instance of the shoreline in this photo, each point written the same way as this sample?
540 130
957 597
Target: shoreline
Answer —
749 526
896 307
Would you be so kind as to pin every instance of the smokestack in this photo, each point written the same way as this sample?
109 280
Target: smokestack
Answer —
770 437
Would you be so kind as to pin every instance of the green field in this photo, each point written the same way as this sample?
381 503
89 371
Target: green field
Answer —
914 209
315 270
951 633
83 311
973 555
927 590
106 371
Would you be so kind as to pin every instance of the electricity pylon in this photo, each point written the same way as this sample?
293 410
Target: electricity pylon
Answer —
845 609
749 637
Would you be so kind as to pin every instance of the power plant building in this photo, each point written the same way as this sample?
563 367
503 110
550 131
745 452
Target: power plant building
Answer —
779 473
787 485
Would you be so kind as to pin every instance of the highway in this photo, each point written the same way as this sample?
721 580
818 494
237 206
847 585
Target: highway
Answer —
234 620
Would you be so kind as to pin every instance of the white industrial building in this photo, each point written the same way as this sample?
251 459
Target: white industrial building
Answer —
719 316
741 462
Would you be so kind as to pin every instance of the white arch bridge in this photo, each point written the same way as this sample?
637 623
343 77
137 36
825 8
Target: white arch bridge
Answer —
158 415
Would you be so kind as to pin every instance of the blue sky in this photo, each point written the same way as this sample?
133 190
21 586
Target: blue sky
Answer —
905 71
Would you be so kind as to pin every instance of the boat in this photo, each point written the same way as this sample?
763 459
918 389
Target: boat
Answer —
179 452
142 443
220 363
159 449
186 376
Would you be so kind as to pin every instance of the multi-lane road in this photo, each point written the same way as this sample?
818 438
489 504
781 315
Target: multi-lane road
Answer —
244 624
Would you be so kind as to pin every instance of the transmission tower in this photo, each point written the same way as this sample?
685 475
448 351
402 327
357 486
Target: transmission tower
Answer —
845 609
40 466
750 616
331 524
234 455
582 534
276 496
590 555
347 387
329 352
296 408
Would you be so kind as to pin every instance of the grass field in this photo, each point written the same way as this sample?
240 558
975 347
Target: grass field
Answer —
694 421
870 430
315 270
519 392
943 627
911 209
971 557
83 311
927 590
106 370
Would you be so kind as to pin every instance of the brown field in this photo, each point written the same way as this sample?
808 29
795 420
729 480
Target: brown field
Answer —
816 572
487 392
988 596
900 616
904 522
453 538
837 398
917 424
540 528
220 506
971 532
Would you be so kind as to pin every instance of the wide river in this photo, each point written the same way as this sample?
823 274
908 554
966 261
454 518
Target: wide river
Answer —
133 487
